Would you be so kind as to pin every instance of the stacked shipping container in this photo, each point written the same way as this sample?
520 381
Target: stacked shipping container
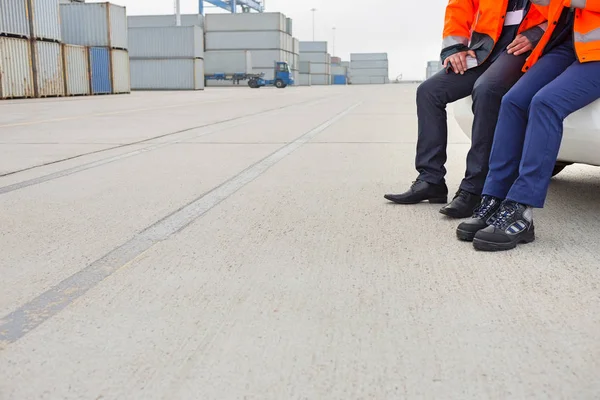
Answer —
266 35
433 67
102 28
339 72
369 68
167 58
320 61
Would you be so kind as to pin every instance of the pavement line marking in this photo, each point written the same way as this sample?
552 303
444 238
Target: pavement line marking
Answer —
26 318
45 121
70 171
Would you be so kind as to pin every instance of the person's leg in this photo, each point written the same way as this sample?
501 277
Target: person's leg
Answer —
433 96
577 87
487 97
509 137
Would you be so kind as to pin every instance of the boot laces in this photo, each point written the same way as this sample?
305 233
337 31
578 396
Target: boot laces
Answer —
505 215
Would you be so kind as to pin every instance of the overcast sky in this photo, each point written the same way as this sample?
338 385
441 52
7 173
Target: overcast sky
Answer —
409 31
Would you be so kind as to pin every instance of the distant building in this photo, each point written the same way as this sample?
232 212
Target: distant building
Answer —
433 67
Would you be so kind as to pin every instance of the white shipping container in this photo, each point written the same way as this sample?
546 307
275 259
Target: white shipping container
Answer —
368 80
368 64
14 17
304 67
320 79
228 61
268 58
368 57
94 24
245 22
320 58
304 80
166 42
154 21
77 71
289 26
245 40
295 46
313 47
45 17
316 68
120 71
16 74
369 72
338 70
164 74
345 64
48 69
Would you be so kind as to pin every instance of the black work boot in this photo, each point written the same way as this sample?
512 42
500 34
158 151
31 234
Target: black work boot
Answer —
480 219
511 225
421 191
462 206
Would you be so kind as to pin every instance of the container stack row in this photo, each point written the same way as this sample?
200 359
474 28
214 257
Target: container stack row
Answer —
267 36
165 56
49 50
433 67
369 68
316 54
339 71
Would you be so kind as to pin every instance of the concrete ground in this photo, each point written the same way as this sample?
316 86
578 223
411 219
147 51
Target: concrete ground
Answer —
234 244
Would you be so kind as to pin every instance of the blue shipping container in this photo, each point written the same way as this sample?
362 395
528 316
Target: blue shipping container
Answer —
100 66
339 79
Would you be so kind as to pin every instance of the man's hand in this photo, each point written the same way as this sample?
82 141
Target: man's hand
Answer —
520 45
458 61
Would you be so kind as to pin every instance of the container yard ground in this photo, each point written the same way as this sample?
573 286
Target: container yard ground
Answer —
234 243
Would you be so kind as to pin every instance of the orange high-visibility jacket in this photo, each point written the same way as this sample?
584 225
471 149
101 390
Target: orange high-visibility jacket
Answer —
477 25
586 33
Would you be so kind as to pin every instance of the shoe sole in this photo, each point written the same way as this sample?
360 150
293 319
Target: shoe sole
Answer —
435 200
483 245
465 236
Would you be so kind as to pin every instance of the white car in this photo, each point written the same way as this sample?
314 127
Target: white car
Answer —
581 137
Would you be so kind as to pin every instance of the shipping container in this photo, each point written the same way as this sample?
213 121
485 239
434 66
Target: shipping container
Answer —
320 58
295 46
338 79
369 72
120 71
154 21
345 64
368 57
304 67
304 80
267 58
100 70
178 74
166 42
94 24
245 22
16 73
368 80
289 26
245 40
228 61
320 79
45 20
336 60
338 70
14 18
77 70
368 64
319 68
312 47
48 69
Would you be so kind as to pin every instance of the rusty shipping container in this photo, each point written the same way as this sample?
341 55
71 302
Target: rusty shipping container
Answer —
16 73
120 71
45 19
48 69
14 18
77 70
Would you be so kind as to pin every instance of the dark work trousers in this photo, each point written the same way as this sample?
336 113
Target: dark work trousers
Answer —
530 126
487 84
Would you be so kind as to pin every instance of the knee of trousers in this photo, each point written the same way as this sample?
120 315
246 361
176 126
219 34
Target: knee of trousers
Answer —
512 100
487 92
427 91
545 102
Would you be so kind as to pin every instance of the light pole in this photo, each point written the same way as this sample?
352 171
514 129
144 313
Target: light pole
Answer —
334 40
313 12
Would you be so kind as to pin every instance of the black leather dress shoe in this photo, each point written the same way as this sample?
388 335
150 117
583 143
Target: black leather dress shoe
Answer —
462 206
421 191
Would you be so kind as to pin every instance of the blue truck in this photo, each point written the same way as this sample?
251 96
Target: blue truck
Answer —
282 77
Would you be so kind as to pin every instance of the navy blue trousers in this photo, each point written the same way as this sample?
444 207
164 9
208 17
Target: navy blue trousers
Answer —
530 126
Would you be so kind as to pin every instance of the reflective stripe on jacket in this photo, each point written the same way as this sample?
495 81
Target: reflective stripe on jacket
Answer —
477 25
586 35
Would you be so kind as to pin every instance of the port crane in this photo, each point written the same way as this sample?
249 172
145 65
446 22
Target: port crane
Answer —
232 5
